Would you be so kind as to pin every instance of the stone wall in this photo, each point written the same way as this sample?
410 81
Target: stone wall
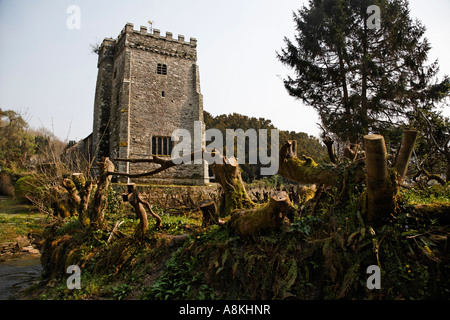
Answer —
19 245
171 197
102 99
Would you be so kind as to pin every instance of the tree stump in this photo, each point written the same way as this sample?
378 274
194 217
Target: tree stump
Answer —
228 175
380 189
210 216
270 215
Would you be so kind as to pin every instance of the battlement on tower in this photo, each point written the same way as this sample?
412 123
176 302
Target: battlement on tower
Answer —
153 41
129 28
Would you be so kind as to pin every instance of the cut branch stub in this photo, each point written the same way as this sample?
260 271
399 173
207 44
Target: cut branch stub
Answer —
307 171
74 197
404 153
85 194
351 151
380 190
329 144
270 215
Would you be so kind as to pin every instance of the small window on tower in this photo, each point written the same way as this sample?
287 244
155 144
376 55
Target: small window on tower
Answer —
161 69
162 146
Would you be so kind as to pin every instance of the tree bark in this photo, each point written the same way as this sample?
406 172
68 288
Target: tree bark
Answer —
85 194
447 173
80 195
351 151
101 194
73 196
439 211
404 153
380 190
431 176
133 197
329 144
73 192
246 217
210 216
307 171
228 175
270 215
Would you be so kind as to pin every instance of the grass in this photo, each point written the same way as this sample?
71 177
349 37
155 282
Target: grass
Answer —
434 194
18 219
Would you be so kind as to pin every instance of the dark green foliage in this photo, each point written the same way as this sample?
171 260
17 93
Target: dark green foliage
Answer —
359 79
307 145
433 146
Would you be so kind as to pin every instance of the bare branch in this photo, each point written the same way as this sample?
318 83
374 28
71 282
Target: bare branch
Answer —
164 163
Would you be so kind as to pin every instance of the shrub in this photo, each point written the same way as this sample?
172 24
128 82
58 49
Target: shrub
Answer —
27 187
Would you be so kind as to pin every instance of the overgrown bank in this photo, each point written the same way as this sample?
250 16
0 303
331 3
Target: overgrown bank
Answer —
322 253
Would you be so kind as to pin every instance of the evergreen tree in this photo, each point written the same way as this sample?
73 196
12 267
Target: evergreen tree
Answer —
360 79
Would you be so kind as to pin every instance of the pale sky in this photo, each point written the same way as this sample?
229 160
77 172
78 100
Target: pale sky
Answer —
48 72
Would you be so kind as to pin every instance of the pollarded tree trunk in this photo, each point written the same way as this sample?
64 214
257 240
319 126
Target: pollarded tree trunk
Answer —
247 217
380 188
270 215
84 190
79 193
134 198
101 194
228 175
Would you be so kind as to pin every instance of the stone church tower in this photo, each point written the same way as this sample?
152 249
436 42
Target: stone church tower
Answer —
147 86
